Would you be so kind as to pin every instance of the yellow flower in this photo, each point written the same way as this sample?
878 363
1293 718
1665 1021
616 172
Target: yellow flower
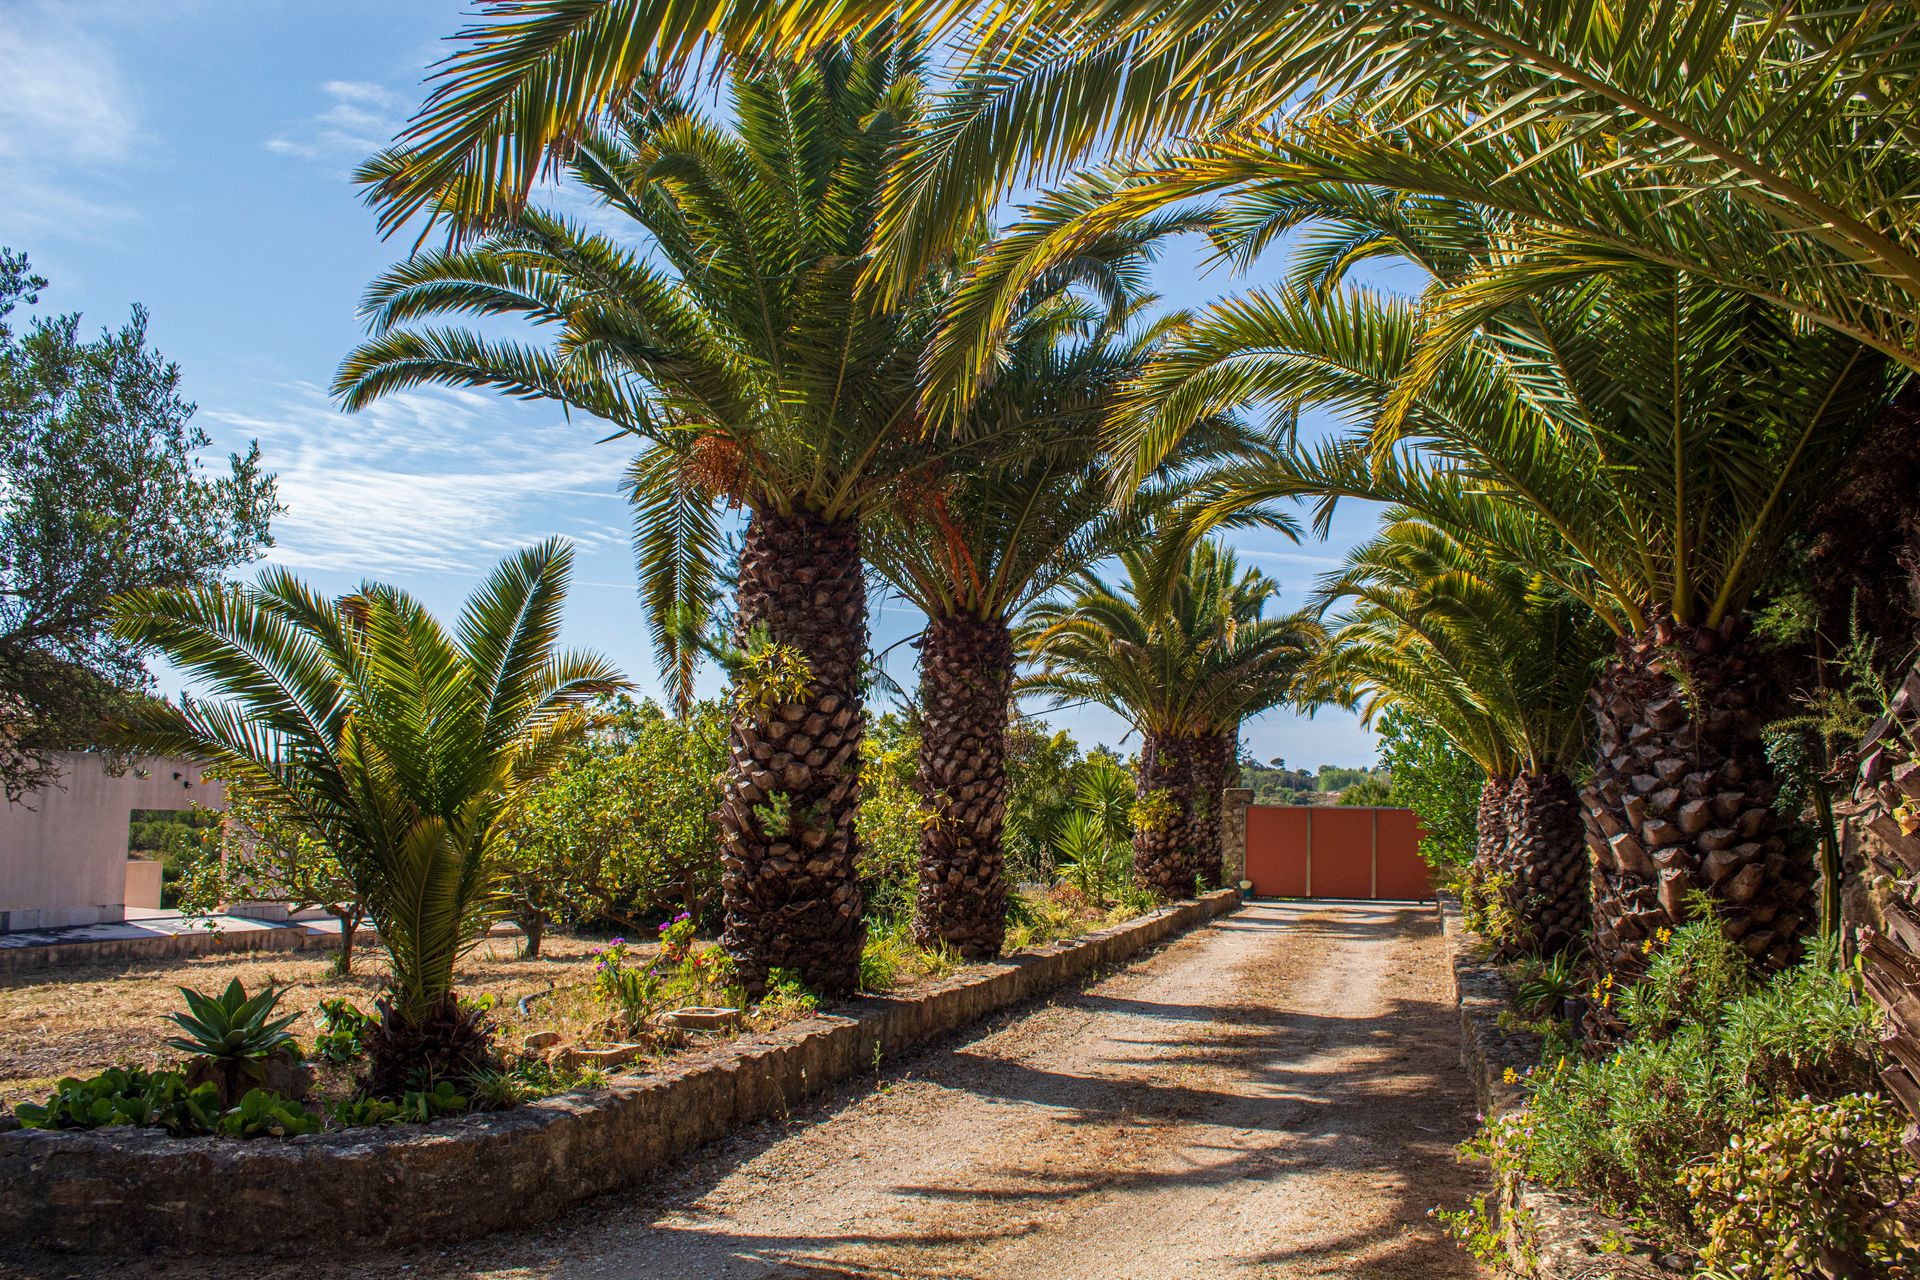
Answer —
1510 1076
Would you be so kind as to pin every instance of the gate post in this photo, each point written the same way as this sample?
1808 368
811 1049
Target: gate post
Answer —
1233 835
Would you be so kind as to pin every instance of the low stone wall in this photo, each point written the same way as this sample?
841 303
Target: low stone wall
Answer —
1549 1235
129 1191
159 948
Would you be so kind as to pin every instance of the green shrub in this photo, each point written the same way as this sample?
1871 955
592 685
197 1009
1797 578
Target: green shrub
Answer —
130 1096
1813 1189
1711 1050
343 1028
1544 986
263 1113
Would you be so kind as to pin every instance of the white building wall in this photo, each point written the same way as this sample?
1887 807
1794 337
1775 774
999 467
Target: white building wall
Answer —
63 850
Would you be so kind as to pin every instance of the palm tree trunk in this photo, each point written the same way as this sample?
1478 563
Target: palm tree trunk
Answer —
790 796
1490 826
1179 782
1682 798
966 687
1213 769
1547 854
1163 782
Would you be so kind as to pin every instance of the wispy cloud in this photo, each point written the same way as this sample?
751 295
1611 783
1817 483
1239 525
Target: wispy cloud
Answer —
66 117
359 119
431 481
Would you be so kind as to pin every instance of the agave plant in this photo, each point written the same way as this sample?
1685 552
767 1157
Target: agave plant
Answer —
236 1041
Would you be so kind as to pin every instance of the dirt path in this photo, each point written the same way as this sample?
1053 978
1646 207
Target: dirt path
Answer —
1277 1095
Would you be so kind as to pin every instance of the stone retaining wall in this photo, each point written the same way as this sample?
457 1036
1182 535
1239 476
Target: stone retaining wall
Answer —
129 1191
160 948
1550 1236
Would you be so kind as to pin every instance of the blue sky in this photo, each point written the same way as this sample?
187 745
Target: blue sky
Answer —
194 156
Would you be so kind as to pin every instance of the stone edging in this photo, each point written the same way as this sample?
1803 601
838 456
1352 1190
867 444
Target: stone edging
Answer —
1549 1235
128 1191
172 946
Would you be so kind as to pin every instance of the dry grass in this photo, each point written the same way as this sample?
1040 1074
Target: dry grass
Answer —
81 1020
78 1021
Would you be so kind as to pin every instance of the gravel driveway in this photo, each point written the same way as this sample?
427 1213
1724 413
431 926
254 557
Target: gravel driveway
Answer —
1275 1095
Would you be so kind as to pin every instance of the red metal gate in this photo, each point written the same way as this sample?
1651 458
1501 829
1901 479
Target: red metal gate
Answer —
1314 851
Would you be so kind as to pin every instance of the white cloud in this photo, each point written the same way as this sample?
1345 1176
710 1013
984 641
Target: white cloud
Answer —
429 481
66 116
361 117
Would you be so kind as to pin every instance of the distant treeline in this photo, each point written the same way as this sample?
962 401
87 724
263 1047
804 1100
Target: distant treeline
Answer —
1275 783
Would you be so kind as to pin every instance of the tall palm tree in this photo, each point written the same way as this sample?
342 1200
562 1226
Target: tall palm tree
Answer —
1644 440
994 530
403 748
737 345
1765 148
1501 661
1184 658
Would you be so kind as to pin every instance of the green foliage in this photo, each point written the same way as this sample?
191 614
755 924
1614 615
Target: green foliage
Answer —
129 1096
1545 985
622 829
363 1112
423 1106
1153 811
892 817
343 1031
891 957
400 744
1045 772
1814 1188
1487 900
1435 779
1475 1229
787 996
1711 1051
104 492
233 1027
1367 792
633 991
763 674
263 1113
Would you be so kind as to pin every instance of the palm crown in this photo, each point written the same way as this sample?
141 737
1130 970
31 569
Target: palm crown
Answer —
1198 665
733 341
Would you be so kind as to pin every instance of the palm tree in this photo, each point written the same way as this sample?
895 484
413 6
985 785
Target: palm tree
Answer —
1501 661
1767 150
738 347
1184 658
403 749
1019 511
1645 441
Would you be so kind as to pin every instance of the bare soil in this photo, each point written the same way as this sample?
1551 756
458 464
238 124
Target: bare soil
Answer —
1276 1095
78 1021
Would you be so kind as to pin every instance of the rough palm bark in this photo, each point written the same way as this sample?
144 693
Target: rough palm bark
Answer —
1213 771
790 795
1682 799
1888 806
1490 826
966 686
1546 853
1163 780
1180 844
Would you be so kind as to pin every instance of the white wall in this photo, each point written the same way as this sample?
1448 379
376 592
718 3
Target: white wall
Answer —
63 850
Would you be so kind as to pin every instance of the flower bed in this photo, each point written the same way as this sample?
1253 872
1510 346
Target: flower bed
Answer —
123 1190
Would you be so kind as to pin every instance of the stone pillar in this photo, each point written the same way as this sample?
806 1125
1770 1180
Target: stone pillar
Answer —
1233 835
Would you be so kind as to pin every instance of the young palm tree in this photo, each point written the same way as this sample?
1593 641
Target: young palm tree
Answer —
1645 441
739 347
1184 659
400 747
1765 150
1501 661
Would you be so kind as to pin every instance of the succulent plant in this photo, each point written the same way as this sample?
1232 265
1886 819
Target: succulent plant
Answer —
233 1026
